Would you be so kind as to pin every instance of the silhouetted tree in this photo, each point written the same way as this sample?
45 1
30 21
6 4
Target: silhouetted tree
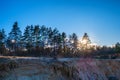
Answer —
85 42
2 49
44 35
2 41
28 36
74 40
86 38
63 40
2 36
37 38
54 39
117 47
37 34
15 35
50 36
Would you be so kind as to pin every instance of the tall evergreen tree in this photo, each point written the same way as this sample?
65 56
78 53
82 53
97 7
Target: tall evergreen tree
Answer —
44 35
50 35
37 34
59 39
2 36
2 41
74 40
28 35
117 47
55 32
64 40
15 34
85 42
86 39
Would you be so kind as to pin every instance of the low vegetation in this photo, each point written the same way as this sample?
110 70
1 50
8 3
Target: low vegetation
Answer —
6 66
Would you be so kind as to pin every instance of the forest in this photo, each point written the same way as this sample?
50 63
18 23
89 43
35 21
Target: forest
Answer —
45 41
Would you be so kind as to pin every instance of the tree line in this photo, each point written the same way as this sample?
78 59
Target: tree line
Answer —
45 41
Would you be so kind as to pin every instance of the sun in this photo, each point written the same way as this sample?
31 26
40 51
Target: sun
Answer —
85 43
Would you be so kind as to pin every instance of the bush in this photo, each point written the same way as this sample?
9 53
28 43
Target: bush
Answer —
12 65
6 66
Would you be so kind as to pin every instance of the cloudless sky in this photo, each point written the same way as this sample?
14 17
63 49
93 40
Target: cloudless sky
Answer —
99 18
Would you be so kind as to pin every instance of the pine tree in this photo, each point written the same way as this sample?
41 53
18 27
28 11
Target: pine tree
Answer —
27 36
50 35
37 34
63 40
59 39
85 42
2 41
74 40
55 32
15 35
44 35
2 36
86 39
117 47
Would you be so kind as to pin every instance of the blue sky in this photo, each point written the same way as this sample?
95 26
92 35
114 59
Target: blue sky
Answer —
99 18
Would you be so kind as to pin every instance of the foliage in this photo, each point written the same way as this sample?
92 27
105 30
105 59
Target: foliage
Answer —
46 41
15 33
117 47
2 36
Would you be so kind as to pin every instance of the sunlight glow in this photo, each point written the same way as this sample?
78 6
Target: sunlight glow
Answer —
13 41
84 41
